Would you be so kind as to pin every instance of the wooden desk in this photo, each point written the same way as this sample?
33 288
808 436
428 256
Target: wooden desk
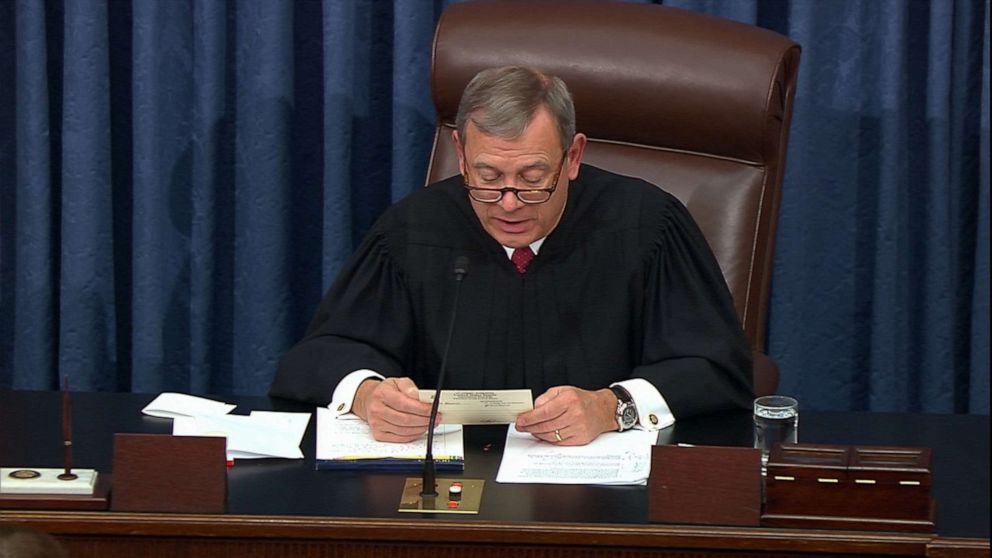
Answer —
282 508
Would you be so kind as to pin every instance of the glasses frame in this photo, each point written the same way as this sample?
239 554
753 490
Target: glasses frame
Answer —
550 190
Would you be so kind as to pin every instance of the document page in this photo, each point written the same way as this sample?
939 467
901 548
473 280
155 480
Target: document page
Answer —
481 406
612 458
340 438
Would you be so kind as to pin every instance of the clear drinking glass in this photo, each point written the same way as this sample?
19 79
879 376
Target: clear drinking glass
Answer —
776 421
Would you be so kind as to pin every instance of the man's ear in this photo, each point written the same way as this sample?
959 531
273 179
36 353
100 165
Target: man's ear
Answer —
575 155
459 151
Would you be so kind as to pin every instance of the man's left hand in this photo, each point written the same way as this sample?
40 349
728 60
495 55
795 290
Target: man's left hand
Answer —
569 416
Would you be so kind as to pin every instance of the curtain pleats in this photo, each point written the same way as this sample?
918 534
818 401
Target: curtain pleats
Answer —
181 182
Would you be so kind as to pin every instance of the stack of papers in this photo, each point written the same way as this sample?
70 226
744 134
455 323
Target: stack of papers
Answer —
346 442
612 458
260 434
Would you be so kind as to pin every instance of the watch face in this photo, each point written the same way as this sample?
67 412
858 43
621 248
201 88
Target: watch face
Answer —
629 417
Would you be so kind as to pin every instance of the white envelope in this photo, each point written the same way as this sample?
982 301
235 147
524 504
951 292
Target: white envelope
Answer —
172 405
251 437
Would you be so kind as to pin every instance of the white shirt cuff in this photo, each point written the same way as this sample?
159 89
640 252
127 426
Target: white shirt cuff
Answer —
344 393
652 409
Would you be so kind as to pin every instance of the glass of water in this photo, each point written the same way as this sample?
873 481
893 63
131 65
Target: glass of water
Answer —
776 421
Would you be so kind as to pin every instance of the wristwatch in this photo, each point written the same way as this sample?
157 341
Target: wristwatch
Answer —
626 411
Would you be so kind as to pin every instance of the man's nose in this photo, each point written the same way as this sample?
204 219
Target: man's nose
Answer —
510 201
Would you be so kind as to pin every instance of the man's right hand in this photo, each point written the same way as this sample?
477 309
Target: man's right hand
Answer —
392 408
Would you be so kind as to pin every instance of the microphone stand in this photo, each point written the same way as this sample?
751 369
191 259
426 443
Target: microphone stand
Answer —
421 494
429 487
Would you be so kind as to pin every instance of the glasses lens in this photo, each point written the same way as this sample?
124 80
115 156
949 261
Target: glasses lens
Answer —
533 196
486 196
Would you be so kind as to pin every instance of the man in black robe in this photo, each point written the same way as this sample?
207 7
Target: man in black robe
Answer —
595 290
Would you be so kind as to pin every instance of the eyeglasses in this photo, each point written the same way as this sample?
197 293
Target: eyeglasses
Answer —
525 195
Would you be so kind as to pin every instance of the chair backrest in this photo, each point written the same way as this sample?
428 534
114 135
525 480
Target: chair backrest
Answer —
696 104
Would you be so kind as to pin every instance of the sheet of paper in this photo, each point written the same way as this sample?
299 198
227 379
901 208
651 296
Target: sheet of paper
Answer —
172 405
295 423
612 458
263 434
481 407
344 438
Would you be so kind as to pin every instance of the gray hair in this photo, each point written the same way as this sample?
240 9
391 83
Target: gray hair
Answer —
502 101
21 541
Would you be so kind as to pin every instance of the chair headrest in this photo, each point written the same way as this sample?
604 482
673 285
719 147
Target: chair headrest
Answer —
638 73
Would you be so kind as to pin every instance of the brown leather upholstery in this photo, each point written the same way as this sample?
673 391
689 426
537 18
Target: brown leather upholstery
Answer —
695 104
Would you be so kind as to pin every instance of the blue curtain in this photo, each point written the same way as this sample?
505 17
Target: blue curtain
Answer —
180 181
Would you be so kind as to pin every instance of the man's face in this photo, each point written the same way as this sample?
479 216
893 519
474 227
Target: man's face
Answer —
527 162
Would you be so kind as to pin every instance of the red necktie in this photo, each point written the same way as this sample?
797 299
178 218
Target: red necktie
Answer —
521 258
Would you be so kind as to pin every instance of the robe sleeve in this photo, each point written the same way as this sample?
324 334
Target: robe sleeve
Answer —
363 322
694 349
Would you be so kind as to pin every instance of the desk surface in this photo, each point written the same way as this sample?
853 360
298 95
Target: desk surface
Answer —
288 498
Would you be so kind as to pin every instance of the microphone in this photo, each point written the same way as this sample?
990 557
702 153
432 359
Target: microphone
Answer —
429 488
421 495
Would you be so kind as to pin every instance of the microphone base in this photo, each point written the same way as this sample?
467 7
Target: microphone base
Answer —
468 502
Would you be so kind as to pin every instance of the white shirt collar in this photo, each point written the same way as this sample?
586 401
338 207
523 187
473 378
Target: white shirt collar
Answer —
534 247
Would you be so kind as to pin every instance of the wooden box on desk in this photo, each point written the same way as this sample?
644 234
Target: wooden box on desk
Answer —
162 473
705 485
849 487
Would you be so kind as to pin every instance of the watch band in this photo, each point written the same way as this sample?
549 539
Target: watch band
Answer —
626 414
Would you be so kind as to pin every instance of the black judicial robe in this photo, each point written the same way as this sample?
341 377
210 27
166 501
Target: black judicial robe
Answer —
625 286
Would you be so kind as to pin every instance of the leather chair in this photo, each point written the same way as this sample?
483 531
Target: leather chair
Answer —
696 104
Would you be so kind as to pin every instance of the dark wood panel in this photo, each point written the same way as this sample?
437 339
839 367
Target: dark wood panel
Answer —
482 534
958 548
286 508
91 547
